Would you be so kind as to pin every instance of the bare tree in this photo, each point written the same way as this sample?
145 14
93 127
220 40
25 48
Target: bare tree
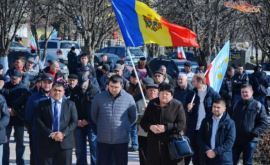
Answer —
94 20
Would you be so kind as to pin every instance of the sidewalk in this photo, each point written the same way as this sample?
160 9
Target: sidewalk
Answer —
133 157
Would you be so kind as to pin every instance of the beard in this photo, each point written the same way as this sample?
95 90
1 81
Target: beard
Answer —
44 90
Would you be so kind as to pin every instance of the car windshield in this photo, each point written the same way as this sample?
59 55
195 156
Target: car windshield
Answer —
68 45
136 52
16 44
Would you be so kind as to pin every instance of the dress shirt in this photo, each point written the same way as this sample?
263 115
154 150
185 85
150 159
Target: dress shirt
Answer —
214 131
59 105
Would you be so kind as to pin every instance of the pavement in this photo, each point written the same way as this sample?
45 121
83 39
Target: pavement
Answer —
133 157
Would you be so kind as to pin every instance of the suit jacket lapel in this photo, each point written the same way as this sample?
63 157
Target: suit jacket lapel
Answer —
63 108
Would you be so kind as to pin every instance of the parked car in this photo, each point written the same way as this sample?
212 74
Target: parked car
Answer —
15 46
60 48
121 52
174 66
189 56
111 58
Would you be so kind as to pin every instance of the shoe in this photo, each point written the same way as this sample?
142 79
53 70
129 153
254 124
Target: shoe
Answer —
131 149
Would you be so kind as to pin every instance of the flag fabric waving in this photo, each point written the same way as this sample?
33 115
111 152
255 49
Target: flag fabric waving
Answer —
181 53
217 69
141 25
33 44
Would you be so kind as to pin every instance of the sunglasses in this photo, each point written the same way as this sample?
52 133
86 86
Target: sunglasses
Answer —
157 76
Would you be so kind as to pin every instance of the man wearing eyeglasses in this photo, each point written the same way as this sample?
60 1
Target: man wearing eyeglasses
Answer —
158 77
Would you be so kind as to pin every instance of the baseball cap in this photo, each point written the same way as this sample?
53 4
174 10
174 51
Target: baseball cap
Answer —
158 71
117 67
31 59
147 80
142 58
73 76
15 74
106 67
187 64
134 75
2 77
82 79
47 76
152 85
121 62
84 68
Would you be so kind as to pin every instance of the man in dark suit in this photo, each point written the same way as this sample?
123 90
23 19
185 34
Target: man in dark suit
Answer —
56 120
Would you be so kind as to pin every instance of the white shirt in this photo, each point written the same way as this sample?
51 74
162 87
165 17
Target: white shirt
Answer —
201 116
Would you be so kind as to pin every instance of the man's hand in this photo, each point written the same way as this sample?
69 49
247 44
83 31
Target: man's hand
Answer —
52 135
80 123
161 128
59 136
84 122
211 154
11 112
190 106
155 129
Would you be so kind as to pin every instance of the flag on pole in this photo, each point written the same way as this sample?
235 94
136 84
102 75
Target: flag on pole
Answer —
33 44
181 53
141 25
217 69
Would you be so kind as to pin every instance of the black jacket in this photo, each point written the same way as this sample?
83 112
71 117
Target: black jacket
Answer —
226 90
194 112
72 61
224 140
173 118
240 80
68 123
182 95
11 93
262 80
4 119
20 103
250 120
68 92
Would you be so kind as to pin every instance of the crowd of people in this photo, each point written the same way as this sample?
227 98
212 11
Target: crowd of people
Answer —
102 105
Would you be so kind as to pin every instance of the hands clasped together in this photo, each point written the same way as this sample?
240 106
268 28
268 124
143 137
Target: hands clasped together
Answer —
57 136
157 128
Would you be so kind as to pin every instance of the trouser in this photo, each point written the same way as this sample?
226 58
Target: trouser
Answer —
142 149
18 135
48 155
196 155
82 133
119 152
248 151
35 143
134 136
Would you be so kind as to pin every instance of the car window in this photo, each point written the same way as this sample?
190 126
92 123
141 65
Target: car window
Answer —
41 45
112 50
51 45
171 70
68 45
104 50
16 44
136 52
120 52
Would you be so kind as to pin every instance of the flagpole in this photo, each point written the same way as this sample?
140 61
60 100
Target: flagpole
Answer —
135 71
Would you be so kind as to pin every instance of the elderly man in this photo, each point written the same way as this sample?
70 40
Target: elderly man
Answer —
158 77
183 88
117 69
72 82
19 65
126 71
167 78
53 69
187 71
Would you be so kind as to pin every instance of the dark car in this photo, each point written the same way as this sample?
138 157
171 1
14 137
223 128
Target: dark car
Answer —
189 56
121 52
111 58
174 66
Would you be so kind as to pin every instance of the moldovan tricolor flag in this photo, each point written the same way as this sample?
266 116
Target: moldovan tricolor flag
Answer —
217 69
181 53
141 25
33 44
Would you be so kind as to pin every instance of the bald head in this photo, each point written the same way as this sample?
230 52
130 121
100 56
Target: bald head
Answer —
182 80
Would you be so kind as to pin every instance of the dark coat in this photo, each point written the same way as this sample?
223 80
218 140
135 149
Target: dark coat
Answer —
59 74
262 80
240 80
4 119
182 95
134 89
226 90
225 137
12 93
68 123
194 112
72 62
68 92
250 120
173 118
198 70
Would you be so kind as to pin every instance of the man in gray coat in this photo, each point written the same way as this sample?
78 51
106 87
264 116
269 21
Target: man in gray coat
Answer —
114 111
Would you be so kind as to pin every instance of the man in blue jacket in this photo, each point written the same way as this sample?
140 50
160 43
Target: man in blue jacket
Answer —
196 111
114 111
216 136
250 121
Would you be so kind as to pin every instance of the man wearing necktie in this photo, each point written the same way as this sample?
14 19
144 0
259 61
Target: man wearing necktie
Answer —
56 120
